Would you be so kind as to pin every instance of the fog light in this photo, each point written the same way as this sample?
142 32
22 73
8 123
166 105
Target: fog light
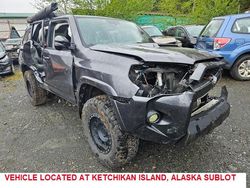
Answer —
153 117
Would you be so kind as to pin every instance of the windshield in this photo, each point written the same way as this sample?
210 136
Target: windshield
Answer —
194 30
153 31
212 28
95 31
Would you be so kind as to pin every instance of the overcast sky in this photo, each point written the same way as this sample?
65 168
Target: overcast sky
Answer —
17 6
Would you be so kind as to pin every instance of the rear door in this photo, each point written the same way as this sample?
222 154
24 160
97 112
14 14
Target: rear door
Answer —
59 62
213 29
33 45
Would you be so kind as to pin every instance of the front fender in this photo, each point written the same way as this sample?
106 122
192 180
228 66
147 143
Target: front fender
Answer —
97 84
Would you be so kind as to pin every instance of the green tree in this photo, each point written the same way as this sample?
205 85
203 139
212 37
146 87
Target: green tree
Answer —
125 9
89 7
200 11
177 7
207 9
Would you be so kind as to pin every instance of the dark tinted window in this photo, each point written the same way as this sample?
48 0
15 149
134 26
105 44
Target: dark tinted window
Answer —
242 26
171 32
212 28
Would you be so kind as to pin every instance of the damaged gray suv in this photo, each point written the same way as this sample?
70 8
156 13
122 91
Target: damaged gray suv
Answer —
126 87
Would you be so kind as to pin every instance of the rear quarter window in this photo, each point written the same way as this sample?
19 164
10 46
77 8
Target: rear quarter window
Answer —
242 25
213 28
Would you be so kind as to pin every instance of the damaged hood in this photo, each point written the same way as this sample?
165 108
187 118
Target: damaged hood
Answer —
153 53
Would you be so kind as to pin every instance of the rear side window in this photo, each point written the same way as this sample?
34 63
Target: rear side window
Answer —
212 28
242 26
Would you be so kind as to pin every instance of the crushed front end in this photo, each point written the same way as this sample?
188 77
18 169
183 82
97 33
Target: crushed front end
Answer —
173 103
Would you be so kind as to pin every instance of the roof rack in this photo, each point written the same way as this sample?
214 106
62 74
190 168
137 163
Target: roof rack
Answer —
46 13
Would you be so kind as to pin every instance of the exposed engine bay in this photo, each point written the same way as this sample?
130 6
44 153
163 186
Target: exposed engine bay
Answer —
158 79
170 79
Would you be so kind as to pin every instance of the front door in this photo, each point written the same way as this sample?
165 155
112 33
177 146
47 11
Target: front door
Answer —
59 62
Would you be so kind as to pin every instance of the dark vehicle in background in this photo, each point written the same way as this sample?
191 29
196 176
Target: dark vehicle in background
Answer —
12 46
186 34
6 65
229 36
126 87
159 38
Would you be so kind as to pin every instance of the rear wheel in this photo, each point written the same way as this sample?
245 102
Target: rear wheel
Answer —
37 95
113 147
241 69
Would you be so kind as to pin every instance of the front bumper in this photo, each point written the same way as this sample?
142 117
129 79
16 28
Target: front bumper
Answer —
5 67
177 123
206 121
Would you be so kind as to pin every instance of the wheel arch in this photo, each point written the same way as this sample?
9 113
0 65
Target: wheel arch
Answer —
240 56
89 88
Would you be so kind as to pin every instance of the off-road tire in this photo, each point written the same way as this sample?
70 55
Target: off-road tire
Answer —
123 147
234 71
37 95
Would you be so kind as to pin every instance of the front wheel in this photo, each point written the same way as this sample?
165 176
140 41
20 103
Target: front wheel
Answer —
112 147
241 69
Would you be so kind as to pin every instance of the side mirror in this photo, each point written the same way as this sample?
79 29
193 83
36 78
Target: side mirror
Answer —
61 43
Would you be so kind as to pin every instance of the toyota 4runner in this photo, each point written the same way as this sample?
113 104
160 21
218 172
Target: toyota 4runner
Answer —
126 87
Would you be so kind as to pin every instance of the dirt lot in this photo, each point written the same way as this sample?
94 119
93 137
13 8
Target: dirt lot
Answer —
50 138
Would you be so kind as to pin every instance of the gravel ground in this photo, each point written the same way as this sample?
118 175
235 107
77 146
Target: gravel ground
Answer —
50 138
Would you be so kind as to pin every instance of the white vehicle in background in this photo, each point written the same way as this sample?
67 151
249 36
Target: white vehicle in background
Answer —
159 38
